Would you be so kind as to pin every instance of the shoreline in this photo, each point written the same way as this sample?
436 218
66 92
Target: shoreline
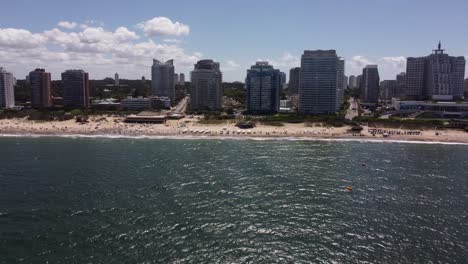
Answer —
245 138
191 128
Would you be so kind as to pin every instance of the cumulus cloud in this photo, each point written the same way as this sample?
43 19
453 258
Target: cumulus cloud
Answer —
284 62
359 62
93 48
19 39
230 65
177 41
67 24
163 26
398 62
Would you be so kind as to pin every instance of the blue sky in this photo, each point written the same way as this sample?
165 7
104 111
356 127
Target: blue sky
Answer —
235 33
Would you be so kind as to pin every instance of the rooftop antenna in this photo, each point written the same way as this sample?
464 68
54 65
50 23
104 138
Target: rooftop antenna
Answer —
439 50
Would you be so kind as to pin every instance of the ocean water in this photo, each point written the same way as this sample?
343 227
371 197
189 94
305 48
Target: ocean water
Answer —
97 200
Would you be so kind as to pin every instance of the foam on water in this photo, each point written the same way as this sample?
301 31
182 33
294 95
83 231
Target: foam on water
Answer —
279 138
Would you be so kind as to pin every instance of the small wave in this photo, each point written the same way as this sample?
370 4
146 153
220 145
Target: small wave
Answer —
191 137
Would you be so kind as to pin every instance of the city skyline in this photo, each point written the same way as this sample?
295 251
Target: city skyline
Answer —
125 41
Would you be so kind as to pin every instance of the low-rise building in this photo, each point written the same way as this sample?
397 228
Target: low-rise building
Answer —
160 102
139 103
150 119
443 109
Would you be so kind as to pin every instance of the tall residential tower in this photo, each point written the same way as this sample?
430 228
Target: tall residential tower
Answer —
370 82
162 79
294 75
75 89
41 92
7 89
321 82
206 92
437 76
263 84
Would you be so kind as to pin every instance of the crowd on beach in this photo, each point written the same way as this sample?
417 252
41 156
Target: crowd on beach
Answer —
380 131
192 127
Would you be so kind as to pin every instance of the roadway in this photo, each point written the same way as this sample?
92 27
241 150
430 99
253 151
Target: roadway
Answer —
181 107
350 113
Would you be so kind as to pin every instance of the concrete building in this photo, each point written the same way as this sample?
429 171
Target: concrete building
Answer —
358 80
75 89
388 89
345 82
352 82
116 80
466 86
139 103
176 78
7 89
282 80
162 79
370 83
263 84
181 79
401 85
294 75
441 109
437 76
41 91
415 77
145 103
206 92
160 102
321 82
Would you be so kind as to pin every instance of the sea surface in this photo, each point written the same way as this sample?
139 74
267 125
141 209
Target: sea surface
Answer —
98 200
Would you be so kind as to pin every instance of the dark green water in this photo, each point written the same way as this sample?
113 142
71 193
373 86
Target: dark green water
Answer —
213 201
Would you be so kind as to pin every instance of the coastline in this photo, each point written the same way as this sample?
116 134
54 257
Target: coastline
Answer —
253 138
114 128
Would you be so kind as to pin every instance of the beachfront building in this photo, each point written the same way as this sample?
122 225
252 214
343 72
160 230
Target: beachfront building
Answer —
206 92
370 84
7 89
162 79
293 85
145 103
442 109
75 89
321 82
437 76
263 84
41 91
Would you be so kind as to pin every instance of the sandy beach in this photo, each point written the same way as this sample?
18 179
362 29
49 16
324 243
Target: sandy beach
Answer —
190 127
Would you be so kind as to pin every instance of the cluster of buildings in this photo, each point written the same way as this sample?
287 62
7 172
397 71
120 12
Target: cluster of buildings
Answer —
437 77
318 85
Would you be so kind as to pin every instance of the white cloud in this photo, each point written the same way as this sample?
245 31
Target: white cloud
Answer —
122 34
67 25
177 41
389 66
163 26
230 65
92 48
19 39
398 63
